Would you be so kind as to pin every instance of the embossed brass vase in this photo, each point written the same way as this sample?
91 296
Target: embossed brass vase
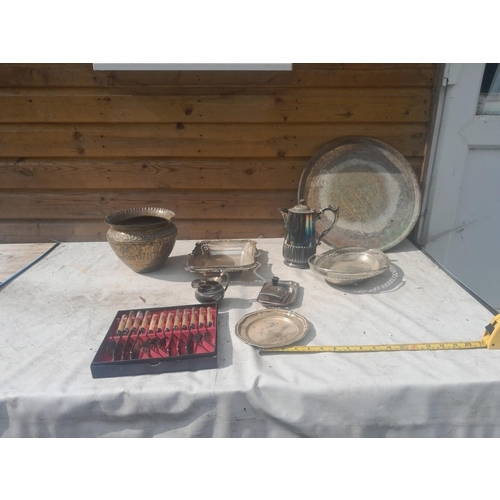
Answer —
142 238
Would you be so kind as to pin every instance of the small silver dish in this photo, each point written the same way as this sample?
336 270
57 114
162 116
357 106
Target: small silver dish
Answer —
271 328
222 256
350 265
210 289
278 293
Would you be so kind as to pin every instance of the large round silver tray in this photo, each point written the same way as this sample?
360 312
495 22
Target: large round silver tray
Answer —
374 186
348 266
271 328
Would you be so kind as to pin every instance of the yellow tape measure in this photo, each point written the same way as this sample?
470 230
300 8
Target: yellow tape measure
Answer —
490 340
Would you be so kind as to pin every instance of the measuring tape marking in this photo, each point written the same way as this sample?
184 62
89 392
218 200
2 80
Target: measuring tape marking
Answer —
434 346
489 341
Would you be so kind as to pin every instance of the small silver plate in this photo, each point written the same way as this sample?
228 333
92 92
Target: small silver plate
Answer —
223 256
271 328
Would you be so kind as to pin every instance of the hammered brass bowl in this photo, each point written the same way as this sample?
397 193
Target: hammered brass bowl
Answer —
142 238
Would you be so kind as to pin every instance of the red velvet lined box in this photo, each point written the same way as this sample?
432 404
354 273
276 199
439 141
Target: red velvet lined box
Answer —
158 340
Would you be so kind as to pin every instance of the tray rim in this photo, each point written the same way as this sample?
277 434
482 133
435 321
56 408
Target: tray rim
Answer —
192 268
340 278
339 274
404 167
270 312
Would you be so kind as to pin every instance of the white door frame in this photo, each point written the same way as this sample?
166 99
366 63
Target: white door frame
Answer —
465 130
457 131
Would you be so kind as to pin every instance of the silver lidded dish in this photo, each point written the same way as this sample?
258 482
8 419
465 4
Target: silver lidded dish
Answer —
349 265
278 293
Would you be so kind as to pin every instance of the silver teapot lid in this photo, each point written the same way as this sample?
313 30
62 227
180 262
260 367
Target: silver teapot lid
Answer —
301 208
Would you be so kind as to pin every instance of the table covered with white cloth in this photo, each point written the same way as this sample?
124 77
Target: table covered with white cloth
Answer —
53 318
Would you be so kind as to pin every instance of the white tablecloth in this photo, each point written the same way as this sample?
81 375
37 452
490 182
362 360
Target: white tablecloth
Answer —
55 315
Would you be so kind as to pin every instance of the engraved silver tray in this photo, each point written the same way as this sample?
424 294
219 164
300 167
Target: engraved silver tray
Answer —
375 187
222 256
271 328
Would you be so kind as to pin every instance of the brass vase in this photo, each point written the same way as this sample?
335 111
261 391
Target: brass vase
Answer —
142 238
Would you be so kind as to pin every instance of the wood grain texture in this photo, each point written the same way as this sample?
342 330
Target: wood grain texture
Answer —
156 173
197 140
151 173
30 231
291 106
222 149
15 257
302 75
250 204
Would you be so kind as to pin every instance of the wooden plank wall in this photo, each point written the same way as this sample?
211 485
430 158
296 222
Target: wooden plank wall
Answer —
222 150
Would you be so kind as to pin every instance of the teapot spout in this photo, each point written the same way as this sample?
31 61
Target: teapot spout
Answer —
284 214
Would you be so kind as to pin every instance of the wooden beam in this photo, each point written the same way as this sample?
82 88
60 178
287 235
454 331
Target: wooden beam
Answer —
302 75
185 204
23 231
197 140
156 173
151 173
282 106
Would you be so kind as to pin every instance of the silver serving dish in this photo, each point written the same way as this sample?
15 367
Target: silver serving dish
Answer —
278 293
271 328
348 266
375 187
223 256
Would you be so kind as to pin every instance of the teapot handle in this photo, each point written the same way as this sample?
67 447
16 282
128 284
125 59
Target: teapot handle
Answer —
225 280
335 212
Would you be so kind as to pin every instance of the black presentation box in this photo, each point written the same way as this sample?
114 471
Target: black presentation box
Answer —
158 340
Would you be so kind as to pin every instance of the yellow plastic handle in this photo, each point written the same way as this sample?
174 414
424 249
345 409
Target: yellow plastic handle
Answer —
491 336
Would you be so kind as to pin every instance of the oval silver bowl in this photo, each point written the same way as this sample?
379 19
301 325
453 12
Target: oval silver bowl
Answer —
350 265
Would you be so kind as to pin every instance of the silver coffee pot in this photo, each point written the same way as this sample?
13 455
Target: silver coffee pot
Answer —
300 232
